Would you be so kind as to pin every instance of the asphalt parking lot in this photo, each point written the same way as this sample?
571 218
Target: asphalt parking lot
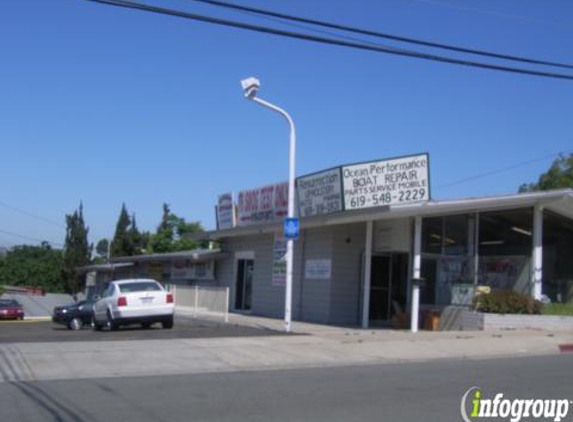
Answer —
45 331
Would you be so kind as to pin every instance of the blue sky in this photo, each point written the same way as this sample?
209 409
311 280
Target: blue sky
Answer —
105 106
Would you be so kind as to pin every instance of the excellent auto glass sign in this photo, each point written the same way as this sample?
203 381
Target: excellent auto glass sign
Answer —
386 182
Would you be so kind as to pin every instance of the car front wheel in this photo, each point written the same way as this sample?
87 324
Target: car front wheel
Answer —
110 322
95 325
75 324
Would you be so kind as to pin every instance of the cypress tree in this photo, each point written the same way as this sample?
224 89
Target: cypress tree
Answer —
121 244
77 250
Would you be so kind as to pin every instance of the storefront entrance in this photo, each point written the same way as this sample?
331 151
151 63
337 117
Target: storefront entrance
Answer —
244 286
388 285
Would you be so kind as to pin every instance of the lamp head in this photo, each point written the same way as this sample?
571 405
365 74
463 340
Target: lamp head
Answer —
250 87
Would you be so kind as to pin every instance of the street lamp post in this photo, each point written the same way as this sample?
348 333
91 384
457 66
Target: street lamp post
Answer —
251 87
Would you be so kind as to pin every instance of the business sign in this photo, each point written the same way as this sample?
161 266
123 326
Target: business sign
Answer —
181 270
263 205
187 270
225 212
319 193
386 182
279 259
318 269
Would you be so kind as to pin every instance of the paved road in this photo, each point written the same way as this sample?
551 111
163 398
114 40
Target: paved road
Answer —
32 332
401 392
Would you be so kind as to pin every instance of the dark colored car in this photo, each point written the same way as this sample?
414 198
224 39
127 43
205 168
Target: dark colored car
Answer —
11 309
74 315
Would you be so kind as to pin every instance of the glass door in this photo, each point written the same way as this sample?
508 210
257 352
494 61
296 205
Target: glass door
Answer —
380 287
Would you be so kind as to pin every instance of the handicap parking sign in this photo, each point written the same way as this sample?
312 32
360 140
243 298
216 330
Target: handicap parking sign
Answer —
291 228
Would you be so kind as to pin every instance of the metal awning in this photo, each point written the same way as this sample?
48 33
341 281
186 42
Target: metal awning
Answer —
196 255
559 201
108 267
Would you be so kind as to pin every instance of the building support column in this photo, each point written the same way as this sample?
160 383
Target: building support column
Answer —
366 275
476 253
416 271
537 258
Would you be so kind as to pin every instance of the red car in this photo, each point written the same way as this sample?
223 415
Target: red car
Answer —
11 309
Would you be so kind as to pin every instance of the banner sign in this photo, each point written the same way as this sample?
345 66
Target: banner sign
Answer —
319 193
263 205
225 212
279 259
181 270
187 270
386 182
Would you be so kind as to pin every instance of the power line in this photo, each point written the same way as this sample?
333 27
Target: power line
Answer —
490 12
330 41
32 215
319 31
35 239
40 218
381 35
501 170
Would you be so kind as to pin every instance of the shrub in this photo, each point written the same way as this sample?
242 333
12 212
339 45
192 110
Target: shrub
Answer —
507 302
558 309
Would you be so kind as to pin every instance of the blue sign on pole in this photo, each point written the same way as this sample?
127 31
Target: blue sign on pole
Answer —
291 228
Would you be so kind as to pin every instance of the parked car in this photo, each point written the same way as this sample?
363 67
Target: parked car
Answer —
133 301
74 315
11 309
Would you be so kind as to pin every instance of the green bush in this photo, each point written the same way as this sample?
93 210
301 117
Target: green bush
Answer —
558 309
507 302
2 290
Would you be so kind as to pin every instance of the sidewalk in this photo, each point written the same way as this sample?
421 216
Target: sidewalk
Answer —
315 346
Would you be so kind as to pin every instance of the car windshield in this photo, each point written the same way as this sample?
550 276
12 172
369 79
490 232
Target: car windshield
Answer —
141 286
8 302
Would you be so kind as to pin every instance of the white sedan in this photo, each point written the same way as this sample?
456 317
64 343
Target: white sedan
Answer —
133 301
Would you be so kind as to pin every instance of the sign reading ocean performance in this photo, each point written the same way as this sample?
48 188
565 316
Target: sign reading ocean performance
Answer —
319 193
263 205
387 182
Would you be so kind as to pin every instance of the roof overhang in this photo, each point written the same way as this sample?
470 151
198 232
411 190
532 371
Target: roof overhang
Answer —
109 267
197 255
558 201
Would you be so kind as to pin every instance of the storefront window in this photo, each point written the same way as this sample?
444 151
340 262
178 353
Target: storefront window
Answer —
432 229
557 253
505 244
447 264
445 235
456 235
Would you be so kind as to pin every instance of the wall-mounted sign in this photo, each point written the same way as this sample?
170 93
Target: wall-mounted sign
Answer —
319 193
225 211
386 182
263 205
187 270
279 259
318 269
